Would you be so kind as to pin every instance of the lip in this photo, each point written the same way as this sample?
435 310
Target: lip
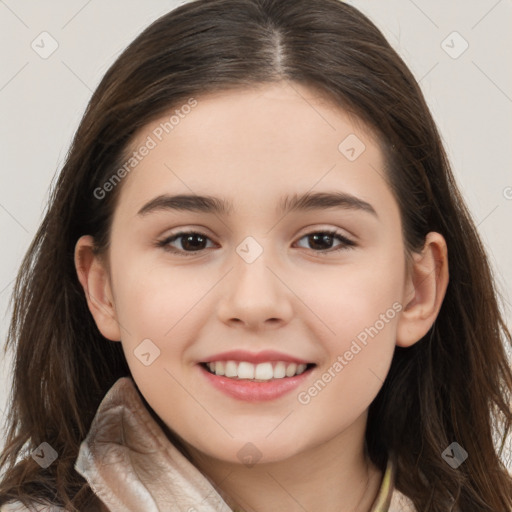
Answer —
251 391
255 357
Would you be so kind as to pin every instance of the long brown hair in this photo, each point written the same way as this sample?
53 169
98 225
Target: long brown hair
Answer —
453 385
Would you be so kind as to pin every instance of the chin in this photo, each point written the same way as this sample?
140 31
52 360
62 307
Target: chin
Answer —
251 450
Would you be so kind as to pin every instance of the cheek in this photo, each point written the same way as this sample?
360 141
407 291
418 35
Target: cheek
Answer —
151 305
352 298
159 308
151 298
360 305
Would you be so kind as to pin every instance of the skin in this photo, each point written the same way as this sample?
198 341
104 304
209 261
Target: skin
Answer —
251 147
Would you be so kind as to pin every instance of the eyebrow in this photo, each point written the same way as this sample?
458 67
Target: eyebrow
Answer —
214 205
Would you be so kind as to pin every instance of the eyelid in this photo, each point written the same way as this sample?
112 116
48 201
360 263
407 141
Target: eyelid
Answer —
326 228
312 228
335 232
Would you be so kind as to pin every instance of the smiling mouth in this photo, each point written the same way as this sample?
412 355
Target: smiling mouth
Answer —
261 372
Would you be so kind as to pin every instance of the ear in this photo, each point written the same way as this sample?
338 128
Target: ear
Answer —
424 290
94 278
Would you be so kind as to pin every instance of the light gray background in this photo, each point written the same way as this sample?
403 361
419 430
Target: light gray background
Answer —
42 101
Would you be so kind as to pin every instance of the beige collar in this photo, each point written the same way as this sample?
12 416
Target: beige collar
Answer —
131 465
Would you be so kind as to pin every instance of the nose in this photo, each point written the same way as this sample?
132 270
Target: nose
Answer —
255 296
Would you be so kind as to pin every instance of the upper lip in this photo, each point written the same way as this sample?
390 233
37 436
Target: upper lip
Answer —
255 357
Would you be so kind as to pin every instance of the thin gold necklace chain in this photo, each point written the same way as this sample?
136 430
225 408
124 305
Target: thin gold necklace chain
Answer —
360 499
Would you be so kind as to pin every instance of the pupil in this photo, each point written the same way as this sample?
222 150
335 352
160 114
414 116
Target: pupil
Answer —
188 238
325 237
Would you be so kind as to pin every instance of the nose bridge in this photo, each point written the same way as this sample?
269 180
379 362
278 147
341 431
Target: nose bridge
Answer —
253 293
253 274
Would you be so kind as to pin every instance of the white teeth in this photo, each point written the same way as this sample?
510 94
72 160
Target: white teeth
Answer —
245 370
279 370
291 369
219 368
301 368
231 369
261 371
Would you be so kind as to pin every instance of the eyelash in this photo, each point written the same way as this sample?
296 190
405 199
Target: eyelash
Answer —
346 243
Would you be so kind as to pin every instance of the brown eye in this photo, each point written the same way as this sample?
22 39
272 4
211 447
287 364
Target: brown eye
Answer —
322 241
188 242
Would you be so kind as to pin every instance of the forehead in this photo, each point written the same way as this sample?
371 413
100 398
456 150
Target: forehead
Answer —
253 145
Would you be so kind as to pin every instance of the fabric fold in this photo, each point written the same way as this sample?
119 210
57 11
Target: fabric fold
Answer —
132 466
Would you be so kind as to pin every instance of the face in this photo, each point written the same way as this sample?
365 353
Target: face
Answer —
268 284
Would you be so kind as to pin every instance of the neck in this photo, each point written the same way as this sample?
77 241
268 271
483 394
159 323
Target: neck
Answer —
336 476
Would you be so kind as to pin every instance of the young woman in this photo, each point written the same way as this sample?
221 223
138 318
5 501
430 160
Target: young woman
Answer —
257 286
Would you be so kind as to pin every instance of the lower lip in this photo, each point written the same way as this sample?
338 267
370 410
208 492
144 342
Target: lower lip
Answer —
251 391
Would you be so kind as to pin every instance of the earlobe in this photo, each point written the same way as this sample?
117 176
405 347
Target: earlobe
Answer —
424 291
94 278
